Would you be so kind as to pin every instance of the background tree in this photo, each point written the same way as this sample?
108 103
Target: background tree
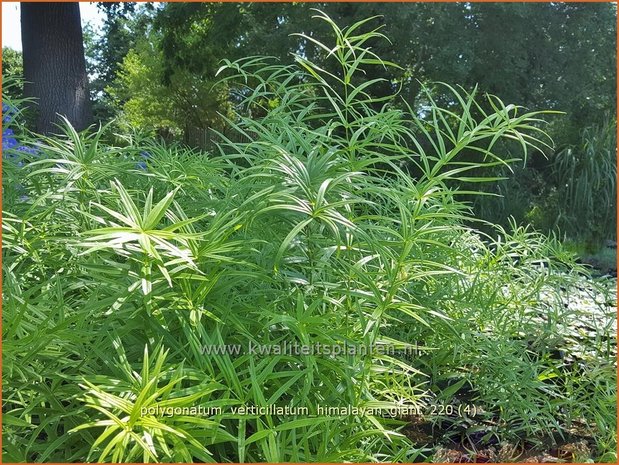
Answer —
122 26
168 96
54 64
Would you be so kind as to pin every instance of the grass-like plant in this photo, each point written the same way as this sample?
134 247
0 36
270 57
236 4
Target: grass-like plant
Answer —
586 176
122 265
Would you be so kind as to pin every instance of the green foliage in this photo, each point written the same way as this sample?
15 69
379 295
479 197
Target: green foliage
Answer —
145 102
179 437
12 70
574 196
105 49
170 104
123 265
586 178
553 55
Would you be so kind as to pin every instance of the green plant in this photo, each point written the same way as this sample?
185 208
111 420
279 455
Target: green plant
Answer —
140 419
586 176
147 275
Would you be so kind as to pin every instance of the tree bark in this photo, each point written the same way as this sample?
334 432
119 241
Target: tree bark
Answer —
54 64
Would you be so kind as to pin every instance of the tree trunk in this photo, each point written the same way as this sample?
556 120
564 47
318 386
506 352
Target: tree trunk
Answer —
54 64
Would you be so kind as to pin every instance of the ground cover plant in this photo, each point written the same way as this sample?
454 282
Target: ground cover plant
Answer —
134 269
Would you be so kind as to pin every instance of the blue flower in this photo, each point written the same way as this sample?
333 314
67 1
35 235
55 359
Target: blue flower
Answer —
28 150
7 112
141 165
9 142
8 139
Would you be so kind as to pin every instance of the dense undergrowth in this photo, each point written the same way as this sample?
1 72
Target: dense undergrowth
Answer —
125 260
